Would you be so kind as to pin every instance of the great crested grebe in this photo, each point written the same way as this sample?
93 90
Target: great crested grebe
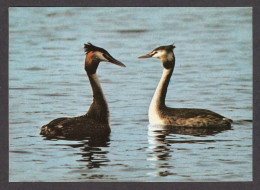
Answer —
96 121
160 114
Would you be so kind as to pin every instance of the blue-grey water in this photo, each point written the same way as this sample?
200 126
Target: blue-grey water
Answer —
47 80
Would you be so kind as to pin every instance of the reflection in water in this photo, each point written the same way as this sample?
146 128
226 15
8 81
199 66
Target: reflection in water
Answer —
199 132
159 146
93 154
160 151
91 150
160 142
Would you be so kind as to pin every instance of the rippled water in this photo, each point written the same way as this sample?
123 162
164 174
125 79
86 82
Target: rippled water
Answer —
47 80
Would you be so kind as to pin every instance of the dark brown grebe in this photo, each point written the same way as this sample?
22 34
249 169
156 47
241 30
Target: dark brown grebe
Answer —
160 114
96 121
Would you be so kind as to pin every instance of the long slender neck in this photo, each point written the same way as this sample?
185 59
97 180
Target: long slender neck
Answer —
99 108
158 100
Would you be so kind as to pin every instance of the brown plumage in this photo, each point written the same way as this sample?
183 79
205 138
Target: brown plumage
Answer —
186 117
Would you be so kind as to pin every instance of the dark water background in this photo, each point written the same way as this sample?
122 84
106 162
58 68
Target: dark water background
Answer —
47 80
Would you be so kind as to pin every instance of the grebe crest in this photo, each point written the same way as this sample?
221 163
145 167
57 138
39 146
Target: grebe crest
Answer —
165 53
97 54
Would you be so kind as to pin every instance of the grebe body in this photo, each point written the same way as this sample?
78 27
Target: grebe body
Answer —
96 121
160 114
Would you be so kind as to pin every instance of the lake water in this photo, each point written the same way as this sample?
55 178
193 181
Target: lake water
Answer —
47 80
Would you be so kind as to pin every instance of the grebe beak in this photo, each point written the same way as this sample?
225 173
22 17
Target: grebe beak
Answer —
113 60
146 56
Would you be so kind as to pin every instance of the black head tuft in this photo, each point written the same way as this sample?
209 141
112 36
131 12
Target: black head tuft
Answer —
90 47
172 46
167 48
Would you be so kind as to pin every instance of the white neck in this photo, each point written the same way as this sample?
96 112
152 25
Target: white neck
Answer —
158 100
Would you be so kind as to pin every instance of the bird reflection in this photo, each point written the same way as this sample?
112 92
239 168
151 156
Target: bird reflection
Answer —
92 150
159 145
161 139
160 149
192 131
93 153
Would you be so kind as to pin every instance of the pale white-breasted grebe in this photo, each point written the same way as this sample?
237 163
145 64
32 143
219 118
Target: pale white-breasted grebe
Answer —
160 114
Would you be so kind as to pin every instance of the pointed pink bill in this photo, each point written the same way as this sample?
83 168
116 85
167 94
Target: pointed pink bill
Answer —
145 56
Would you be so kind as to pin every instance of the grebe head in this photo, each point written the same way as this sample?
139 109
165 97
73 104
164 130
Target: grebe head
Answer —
163 52
94 55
